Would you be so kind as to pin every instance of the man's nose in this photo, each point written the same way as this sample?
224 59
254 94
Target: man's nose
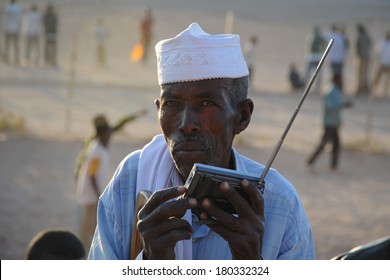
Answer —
189 120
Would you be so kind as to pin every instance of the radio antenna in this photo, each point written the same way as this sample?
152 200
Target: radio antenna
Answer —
280 142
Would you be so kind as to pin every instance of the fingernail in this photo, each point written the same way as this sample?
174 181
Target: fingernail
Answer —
206 203
181 189
204 216
225 186
192 202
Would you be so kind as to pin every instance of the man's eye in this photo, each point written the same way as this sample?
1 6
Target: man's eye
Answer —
207 103
169 104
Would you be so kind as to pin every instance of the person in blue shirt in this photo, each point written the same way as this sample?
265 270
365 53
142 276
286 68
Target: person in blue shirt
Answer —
333 104
203 105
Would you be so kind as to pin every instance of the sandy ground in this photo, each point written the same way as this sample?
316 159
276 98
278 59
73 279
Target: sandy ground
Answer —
346 208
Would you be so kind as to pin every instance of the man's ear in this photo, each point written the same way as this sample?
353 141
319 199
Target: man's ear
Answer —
157 103
244 111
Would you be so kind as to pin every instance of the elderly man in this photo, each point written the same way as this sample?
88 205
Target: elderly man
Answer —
202 106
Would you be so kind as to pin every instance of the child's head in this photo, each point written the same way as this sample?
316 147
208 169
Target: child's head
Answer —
55 245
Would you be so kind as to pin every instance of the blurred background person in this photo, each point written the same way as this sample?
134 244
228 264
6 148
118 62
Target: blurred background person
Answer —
146 32
33 30
383 48
363 52
101 35
12 21
333 103
347 45
316 47
295 80
92 178
91 171
114 129
250 56
337 53
50 23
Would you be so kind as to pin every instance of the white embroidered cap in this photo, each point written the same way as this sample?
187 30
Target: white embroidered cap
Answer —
196 55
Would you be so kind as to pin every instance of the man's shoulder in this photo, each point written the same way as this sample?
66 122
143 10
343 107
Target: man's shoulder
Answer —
129 164
275 182
252 166
125 176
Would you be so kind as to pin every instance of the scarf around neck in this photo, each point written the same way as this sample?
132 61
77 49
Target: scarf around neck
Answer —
156 171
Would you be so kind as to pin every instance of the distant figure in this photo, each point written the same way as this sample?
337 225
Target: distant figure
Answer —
34 22
333 104
363 51
146 32
384 64
338 51
92 178
12 22
296 82
115 128
55 245
316 47
250 55
50 23
92 166
101 36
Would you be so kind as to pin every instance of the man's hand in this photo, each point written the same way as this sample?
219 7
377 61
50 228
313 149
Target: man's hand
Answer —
161 225
243 232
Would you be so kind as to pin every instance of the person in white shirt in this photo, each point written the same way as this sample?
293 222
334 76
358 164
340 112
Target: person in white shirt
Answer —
33 29
384 64
12 21
93 178
315 47
338 51
101 36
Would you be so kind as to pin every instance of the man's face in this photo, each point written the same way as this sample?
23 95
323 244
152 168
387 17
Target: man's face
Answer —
198 122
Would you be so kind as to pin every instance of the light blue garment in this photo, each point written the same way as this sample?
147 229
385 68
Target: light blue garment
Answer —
333 104
287 232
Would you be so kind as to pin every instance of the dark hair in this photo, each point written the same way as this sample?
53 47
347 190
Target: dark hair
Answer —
238 89
101 124
55 245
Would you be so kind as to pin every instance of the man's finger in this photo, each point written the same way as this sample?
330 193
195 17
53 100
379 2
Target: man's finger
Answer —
255 196
241 205
163 227
224 218
162 196
175 208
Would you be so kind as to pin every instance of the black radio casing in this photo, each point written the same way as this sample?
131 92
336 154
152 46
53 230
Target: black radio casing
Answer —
204 180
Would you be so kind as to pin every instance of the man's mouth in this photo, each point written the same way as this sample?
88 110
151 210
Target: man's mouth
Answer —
189 150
